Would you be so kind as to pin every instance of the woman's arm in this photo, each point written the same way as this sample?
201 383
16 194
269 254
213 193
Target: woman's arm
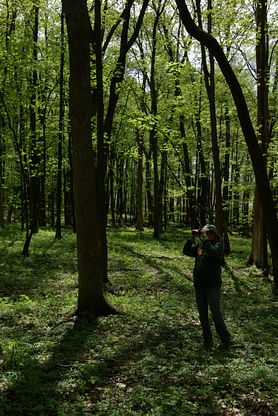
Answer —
190 248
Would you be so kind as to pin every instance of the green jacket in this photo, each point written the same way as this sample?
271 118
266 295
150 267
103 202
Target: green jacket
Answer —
208 260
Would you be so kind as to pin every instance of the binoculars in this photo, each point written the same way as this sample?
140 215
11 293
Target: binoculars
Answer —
196 233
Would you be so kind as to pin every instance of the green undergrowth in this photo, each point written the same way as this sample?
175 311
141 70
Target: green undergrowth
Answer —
149 359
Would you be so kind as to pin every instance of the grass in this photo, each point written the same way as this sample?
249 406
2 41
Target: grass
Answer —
148 361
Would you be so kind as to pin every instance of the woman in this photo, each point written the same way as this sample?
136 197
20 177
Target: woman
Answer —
205 246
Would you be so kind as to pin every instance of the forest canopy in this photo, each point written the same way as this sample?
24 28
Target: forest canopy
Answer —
32 48
166 139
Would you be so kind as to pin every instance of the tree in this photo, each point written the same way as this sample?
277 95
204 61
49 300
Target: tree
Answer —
105 121
173 50
209 76
90 294
257 158
139 182
61 131
158 190
258 255
32 220
9 29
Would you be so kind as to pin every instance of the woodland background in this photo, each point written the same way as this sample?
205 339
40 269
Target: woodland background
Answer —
118 132
163 87
120 117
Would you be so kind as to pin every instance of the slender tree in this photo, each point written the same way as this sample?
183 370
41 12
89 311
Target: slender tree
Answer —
258 255
32 220
174 57
158 190
209 75
60 134
139 182
203 183
105 121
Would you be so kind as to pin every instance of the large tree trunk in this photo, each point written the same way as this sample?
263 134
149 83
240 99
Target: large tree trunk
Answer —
258 255
256 155
90 294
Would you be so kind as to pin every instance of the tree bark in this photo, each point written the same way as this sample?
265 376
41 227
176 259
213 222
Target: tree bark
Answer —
203 182
210 88
58 234
153 132
68 189
257 157
9 29
104 140
90 290
258 255
226 177
149 193
139 183
2 173
34 180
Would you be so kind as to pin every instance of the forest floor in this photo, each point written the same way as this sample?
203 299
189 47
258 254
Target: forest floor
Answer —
147 361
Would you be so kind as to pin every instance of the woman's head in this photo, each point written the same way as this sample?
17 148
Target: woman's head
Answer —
210 232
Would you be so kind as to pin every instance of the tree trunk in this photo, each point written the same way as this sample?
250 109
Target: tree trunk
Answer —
191 202
258 255
2 174
226 177
157 208
191 208
149 193
42 176
111 182
90 289
68 189
120 189
102 148
210 88
163 190
35 160
153 132
58 234
104 139
203 183
257 157
34 181
9 29
139 183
